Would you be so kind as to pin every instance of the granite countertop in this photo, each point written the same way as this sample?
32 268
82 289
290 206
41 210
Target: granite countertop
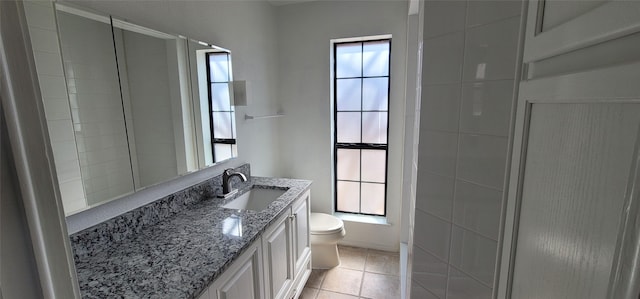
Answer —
181 256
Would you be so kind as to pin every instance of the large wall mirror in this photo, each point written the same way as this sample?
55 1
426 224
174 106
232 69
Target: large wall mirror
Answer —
145 106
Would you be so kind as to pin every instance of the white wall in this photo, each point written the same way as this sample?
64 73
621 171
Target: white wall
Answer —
248 29
468 70
304 34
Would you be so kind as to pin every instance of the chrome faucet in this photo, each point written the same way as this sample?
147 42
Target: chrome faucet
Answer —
226 181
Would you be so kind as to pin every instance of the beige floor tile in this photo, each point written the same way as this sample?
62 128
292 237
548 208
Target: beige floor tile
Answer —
380 286
331 295
308 293
383 262
315 279
352 257
342 280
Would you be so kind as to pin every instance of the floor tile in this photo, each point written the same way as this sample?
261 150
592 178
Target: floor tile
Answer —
352 257
308 293
383 262
380 286
315 279
342 280
331 295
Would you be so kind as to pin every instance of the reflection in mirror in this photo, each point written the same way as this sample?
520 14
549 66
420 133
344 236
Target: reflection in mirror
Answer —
161 142
211 79
96 110
142 107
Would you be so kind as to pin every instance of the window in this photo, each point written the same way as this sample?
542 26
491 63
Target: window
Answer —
221 112
361 113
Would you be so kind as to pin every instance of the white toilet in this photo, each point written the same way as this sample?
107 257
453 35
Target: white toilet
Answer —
326 231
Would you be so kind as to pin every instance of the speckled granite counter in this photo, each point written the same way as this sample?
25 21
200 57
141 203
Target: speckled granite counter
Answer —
181 255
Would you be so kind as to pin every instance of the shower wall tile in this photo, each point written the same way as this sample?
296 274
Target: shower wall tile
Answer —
477 208
468 66
486 107
482 159
473 254
441 17
442 61
437 152
491 51
435 194
441 105
433 235
481 12
461 286
429 272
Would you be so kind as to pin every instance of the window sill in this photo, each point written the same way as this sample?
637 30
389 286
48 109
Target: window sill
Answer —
381 220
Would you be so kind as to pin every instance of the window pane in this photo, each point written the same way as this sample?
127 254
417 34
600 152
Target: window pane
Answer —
348 196
373 165
222 151
219 67
373 198
375 93
348 60
348 127
348 164
348 94
222 125
374 128
375 56
220 100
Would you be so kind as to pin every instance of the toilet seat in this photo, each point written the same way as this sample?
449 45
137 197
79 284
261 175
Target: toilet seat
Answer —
325 224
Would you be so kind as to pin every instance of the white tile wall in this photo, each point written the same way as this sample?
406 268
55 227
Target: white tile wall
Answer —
438 152
435 194
486 107
442 62
481 159
442 105
429 272
477 208
490 51
434 234
46 51
461 286
469 65
441 17
96 107
473 254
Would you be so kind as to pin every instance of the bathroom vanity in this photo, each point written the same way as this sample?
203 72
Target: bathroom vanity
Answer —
199 249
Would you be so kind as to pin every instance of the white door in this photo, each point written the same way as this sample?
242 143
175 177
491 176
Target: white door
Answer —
301 244
571 225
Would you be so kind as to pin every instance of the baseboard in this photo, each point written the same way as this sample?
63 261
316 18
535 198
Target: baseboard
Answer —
381 247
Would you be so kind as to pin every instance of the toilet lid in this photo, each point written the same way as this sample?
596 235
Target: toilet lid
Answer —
324 223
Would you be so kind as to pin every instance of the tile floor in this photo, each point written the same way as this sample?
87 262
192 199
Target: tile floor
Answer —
363 273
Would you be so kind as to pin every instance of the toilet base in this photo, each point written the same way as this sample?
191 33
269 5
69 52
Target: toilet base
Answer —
324 256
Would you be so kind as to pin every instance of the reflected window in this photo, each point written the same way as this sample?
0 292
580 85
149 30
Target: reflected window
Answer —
232 226
361 117
221 110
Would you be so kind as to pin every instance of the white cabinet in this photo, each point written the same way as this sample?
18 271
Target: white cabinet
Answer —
287 253
277 252
243 280
301 244
276 266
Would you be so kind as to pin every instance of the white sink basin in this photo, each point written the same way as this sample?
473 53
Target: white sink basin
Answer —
255 199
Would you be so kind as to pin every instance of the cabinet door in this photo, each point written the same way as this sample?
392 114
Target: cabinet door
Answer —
243 280
301 231
276 245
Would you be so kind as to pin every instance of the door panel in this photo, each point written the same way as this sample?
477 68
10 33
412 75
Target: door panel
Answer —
576 170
